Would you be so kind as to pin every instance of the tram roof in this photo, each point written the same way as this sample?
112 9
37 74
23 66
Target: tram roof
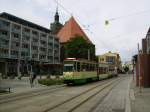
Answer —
80 60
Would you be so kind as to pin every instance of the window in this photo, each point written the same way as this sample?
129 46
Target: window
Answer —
16 35
4 42
50 51
5 23
43 35
101 59
24 54
50 44
43 49
34 47
34 55
17 27
43 42
42 56
27 30
35 32
27 38
25 46
50 38
5 51
110 59
17 44
35 40
50 58
4 33
14 53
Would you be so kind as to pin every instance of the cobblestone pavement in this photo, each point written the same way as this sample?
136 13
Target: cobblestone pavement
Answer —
140 102
117 99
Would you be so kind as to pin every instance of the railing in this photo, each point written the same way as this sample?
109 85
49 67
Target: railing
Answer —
14 56
4 27
16 30
4 45
5 37
4 55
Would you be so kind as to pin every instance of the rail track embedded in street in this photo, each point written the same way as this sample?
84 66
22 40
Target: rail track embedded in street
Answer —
79 95
30 94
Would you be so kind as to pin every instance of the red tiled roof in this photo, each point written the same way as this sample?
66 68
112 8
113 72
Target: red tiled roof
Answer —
70 29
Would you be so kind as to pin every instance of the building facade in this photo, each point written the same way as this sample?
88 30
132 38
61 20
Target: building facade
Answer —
141 63
148 41
22 41
111 60
72 30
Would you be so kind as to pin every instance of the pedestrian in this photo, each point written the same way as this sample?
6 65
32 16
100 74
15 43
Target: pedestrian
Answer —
31 79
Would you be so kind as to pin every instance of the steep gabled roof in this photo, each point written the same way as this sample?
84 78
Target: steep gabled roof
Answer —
70 29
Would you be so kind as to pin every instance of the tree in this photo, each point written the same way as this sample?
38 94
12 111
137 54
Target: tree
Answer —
126 69
78 47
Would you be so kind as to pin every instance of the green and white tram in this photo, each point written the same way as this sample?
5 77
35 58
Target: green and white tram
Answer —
79 71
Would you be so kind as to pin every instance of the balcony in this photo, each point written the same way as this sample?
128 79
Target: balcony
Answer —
34 51
3 55
26 34
50 40
16 30
13 47
34 43
42 57
56 55
4 27
26 39
50 53
4 45
50 60
14 56
43 45
35 34
4 37
35 56
25 50
43 37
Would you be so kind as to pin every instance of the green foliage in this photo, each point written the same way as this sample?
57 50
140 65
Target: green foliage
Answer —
77 47
126 68
49 82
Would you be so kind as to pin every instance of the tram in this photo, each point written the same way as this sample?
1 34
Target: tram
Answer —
77 71
80 71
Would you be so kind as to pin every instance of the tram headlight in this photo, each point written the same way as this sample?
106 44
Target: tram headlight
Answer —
68 75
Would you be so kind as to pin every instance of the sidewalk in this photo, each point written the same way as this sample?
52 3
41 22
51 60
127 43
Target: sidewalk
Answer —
140 102
23 85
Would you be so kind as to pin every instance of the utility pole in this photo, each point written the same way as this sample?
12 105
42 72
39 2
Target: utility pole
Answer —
139 69
89 54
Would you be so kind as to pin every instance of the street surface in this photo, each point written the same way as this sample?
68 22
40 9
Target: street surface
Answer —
103 96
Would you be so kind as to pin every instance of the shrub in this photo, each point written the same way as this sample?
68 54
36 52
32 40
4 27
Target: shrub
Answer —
49 82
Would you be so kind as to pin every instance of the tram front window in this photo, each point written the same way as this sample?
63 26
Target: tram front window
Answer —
68 68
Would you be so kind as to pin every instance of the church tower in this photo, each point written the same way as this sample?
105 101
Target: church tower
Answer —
56 25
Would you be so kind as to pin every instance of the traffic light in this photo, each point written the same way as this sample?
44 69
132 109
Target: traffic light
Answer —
106 22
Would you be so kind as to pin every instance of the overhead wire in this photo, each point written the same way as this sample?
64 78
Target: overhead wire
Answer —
129 15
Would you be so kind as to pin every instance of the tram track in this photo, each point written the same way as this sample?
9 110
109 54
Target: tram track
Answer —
25 95
57 106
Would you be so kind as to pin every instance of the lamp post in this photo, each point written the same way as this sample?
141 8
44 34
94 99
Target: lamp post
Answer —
139 69
89 54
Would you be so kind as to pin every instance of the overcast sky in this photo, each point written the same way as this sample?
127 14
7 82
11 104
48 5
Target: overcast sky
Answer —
132 20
